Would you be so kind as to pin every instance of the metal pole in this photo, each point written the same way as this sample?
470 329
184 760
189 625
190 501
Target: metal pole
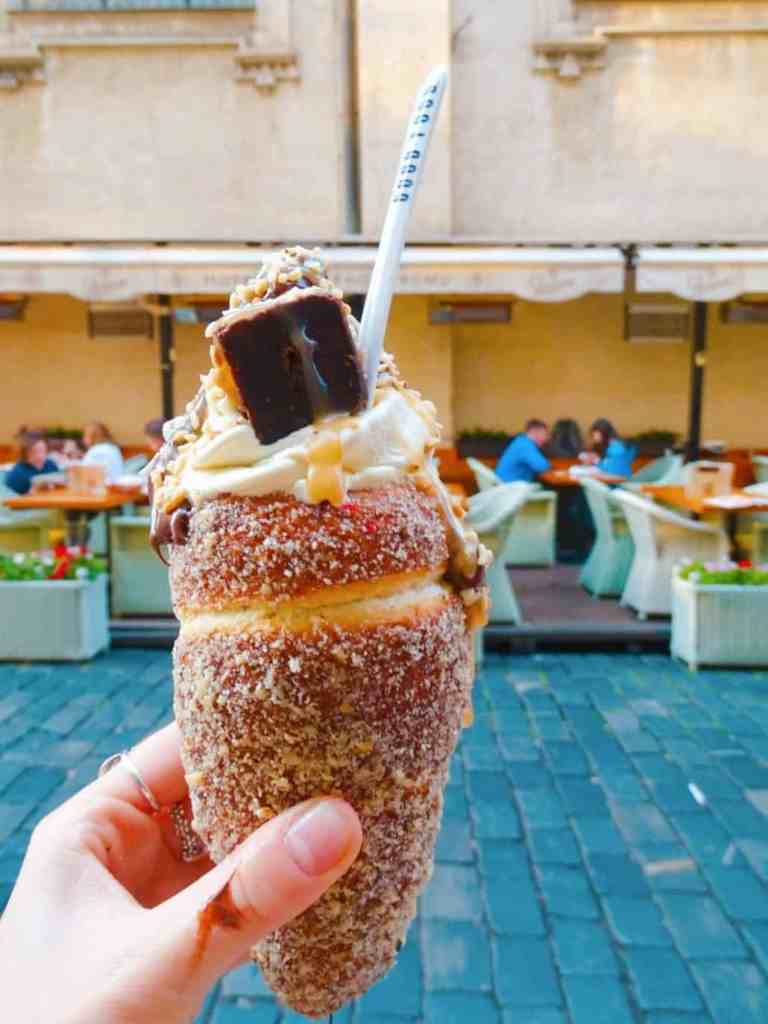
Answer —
698 365
167 354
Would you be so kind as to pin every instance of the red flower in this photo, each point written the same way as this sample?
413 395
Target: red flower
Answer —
61 569
746 564
60 550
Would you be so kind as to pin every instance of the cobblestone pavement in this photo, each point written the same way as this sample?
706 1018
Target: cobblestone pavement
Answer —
603 858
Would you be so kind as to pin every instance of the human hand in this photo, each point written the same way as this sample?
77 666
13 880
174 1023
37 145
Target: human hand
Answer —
107 925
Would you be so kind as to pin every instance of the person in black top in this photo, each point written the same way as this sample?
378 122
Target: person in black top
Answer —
34 460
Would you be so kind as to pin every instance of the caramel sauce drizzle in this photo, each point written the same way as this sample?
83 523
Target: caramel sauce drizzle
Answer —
325 477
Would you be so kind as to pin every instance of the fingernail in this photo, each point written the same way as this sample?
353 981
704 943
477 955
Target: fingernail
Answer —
320 838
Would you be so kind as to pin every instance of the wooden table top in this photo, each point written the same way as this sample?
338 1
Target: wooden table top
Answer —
63 499
675 495
563 478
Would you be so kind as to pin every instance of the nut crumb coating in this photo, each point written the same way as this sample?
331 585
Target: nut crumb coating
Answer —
364 701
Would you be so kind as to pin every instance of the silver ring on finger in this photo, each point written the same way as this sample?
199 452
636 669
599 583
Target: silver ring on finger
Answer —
124 760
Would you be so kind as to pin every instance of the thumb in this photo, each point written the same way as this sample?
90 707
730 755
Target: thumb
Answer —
272 877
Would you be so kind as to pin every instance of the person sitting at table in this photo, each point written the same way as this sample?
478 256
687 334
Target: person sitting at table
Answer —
101 450
153 432
609 453
34 461
523 459
565 441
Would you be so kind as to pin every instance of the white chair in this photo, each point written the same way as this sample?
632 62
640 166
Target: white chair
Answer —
759 523
606 569
492 515
760 466
532 540
662 540
22 532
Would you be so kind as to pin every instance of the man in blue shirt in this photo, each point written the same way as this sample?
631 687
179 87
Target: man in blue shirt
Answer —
522 458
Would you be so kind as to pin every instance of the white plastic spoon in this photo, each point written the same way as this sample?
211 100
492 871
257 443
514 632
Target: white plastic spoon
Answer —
387 266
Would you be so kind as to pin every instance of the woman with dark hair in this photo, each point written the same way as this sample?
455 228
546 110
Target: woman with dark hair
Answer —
565 441
609 452
32 462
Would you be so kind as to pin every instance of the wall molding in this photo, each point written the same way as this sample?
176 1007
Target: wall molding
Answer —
567 48
21 66
261 60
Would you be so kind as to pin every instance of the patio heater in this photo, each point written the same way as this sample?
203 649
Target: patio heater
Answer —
698 367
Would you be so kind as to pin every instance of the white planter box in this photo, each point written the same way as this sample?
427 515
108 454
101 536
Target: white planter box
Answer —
719 624
64 620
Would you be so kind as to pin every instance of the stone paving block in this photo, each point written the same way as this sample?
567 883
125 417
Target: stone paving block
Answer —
638 742
512 722
668 728
598 835
587 724
8 772
488 787
399 992
706 838
642 823
739 892
636 922
513 906
672 798
453 893
551 728
700 929
756 935
495 821
12 816
460 1008
741 819
746 771
606 756
581 796
757 746
541 1015
554 846
518 748
455 802
599 999
657 768
624 786
735 993
482 759
678 1018
566 893
616 875
454 842
524 974
33 785
583 947
528 774
670 867
566 759
456 957
256 1012
661 981
63 721
456 772
499 857
541 808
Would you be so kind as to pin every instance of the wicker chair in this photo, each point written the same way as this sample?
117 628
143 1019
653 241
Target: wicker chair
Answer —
492 514
606 569
662 539
532 540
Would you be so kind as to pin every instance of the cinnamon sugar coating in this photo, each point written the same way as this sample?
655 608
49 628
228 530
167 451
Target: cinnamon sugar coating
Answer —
276 548
273 716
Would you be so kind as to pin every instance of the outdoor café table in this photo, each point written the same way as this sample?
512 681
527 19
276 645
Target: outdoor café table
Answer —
675 496
77 507
564 478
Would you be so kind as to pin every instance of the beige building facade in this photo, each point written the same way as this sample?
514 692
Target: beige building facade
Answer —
209 135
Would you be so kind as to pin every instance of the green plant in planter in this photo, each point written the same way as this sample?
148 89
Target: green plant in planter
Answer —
743 574
62 563
656 440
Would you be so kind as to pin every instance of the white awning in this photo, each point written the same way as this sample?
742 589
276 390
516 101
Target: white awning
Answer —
100 273
711 274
